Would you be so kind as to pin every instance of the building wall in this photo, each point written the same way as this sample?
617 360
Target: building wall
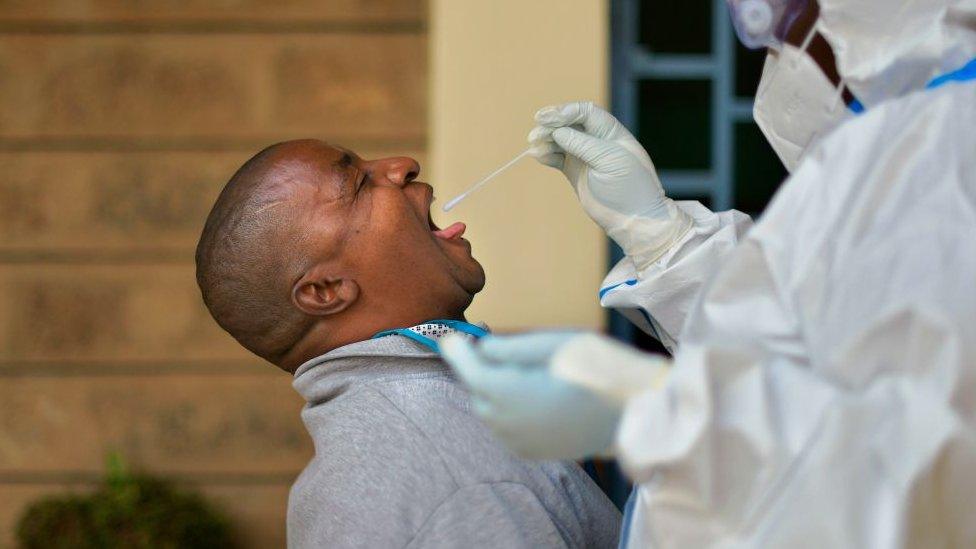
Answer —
119 123
493 64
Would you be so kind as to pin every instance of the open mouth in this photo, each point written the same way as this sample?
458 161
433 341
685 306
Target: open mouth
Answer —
452 232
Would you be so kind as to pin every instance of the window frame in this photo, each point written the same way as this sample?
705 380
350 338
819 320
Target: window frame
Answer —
631 63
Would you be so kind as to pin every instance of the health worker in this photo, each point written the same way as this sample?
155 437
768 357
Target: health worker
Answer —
823 386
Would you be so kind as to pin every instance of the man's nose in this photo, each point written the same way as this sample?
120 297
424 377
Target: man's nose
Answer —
397 171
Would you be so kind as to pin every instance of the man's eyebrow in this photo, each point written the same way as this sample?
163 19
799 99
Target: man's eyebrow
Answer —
344 161
342 164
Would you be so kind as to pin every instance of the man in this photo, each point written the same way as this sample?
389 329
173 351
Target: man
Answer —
309 252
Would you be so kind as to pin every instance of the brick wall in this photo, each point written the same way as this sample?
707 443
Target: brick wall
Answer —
119 123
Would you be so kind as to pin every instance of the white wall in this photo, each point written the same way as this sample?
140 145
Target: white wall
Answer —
493 63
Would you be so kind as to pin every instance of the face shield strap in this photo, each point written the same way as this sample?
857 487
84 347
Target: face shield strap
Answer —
855 105
838 96
808 38
802 50
794 60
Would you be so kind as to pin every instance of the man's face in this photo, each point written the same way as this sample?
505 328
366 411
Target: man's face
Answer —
372 218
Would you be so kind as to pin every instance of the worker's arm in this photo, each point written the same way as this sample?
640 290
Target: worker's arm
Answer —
671 248
658 298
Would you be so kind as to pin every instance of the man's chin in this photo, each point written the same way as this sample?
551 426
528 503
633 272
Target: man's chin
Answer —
466 270
477 282
471 277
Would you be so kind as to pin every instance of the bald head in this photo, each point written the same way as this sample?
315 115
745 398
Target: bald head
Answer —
248 254
310 247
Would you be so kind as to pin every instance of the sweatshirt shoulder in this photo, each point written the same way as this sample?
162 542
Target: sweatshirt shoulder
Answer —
368 431
371 467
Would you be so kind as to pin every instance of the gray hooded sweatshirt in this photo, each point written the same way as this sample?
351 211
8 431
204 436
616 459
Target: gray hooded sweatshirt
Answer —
401 462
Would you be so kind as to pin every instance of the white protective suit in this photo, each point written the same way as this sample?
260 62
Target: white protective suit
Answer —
824 390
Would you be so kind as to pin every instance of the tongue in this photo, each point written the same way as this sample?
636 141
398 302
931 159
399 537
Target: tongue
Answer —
454 231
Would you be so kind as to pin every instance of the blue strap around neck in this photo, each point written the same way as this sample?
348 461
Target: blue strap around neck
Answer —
457 325
963 74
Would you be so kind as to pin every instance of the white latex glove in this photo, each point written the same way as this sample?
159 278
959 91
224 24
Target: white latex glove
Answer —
613 176
552 395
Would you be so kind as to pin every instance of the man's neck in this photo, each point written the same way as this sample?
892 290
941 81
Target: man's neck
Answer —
322 338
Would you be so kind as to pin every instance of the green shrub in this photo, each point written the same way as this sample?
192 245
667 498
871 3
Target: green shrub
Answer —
126 511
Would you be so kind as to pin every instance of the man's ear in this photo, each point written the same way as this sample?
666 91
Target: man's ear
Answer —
318 294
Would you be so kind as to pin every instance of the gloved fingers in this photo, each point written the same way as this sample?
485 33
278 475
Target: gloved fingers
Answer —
553 160
607 368
591 150
565 114
480 374
461 355
544 149
549 154
540 134
526 349
594 120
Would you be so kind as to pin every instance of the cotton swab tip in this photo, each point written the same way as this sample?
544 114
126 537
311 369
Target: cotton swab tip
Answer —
453 202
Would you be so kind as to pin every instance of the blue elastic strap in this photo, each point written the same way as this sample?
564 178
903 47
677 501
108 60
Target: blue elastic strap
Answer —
461 326
608 289
423 340
965 73
643 311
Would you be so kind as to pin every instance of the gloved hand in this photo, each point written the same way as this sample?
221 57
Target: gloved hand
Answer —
554 395
613 176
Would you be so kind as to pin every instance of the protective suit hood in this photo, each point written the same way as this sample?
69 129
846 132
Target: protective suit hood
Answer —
883 49
887 49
